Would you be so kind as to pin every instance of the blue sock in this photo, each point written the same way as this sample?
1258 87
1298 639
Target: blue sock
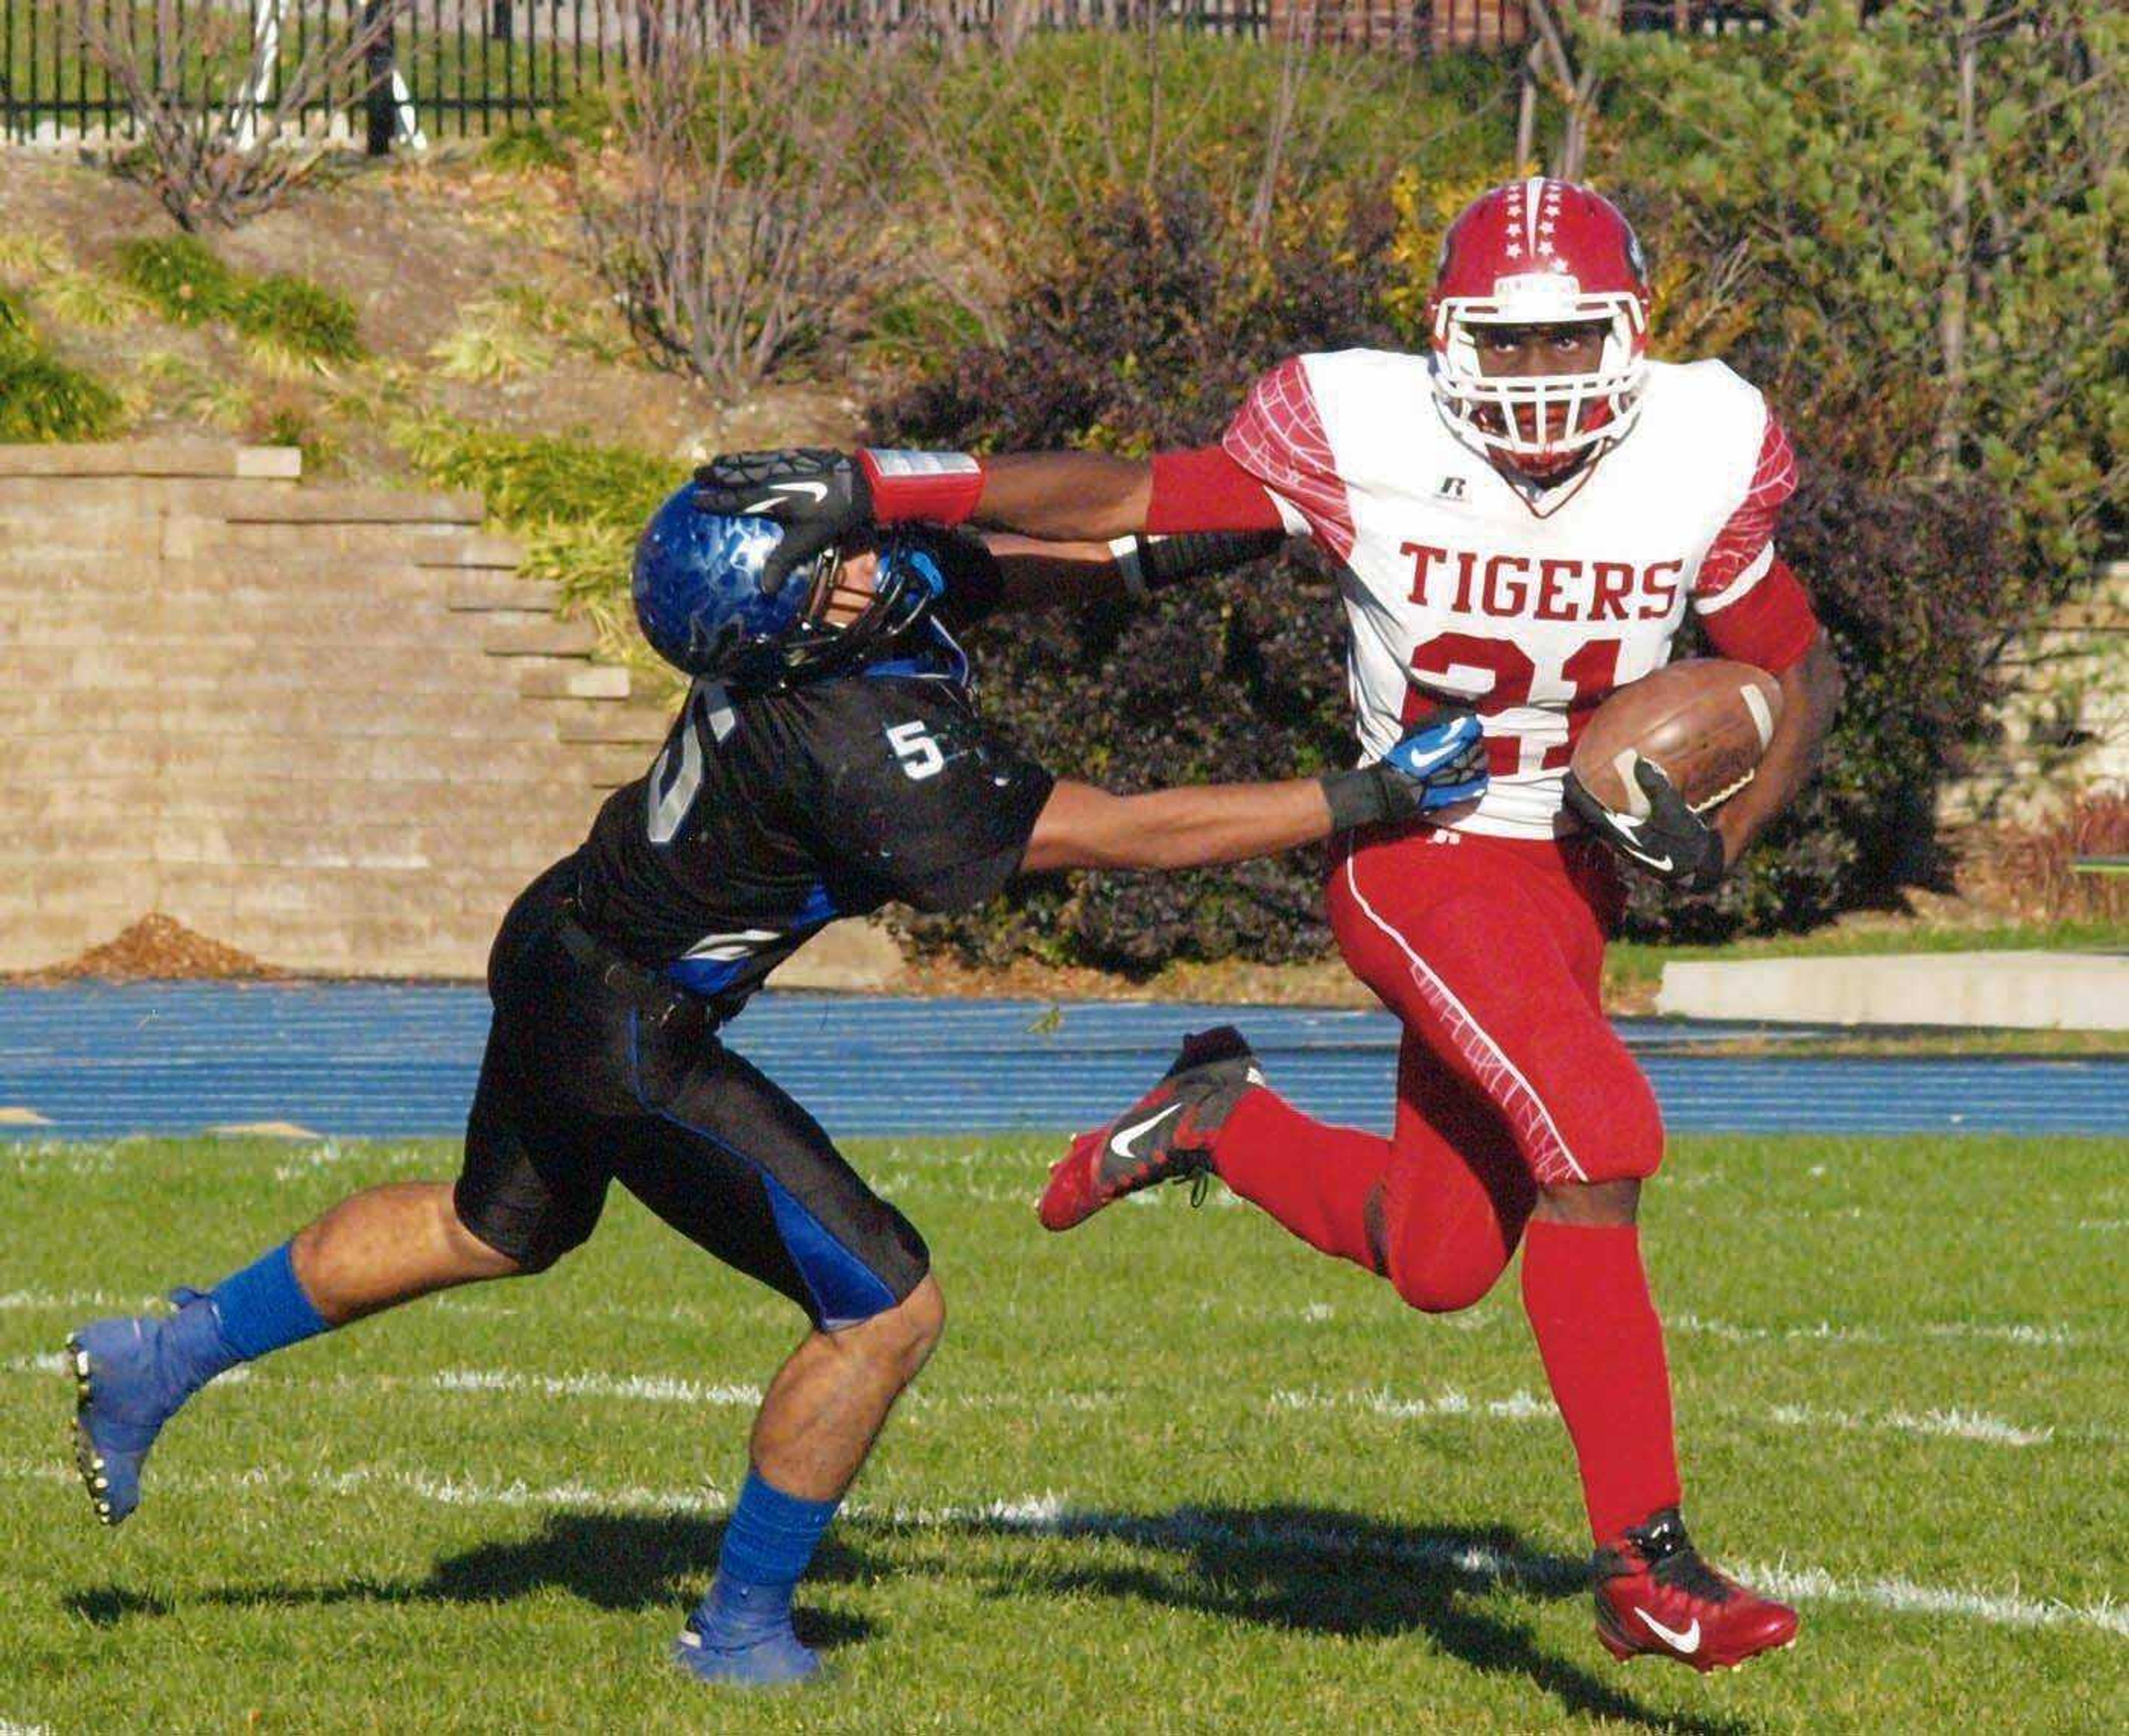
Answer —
263 1308
768 1546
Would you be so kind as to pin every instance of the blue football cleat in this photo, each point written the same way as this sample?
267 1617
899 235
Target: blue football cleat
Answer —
769 1657
131 1376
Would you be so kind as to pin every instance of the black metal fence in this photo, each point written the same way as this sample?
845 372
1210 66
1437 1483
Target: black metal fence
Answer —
454 66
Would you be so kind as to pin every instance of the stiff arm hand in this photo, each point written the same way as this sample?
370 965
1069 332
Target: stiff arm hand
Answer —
1439 765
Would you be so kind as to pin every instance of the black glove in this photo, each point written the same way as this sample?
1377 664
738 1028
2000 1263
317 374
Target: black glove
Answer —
1672 842
817 496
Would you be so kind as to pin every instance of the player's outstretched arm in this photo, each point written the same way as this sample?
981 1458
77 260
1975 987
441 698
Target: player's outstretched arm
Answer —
819 496
1033 574
1066 495
1811 696
1441 764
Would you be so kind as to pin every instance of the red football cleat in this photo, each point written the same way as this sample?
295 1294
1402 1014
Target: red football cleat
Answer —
1166 1136
1657 1598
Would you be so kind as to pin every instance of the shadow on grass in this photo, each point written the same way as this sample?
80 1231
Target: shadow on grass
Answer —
623 1562
1323 1571
1301 1569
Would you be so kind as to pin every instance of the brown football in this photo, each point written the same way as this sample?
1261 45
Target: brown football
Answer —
1705 722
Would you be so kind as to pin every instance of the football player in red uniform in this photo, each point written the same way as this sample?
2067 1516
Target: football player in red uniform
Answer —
1521 518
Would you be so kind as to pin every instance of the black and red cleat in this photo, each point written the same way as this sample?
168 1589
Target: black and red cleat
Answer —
1657 1598
1166 1136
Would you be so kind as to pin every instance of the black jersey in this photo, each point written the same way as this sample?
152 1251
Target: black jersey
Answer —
768 815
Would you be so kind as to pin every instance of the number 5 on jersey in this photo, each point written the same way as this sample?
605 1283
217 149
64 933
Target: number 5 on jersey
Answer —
914 747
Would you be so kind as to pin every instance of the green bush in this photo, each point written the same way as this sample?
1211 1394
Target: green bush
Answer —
534 479
299 319
183 276
41 397
578 505
287 318
1924 301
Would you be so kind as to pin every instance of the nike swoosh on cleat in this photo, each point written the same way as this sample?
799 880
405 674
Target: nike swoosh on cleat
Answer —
1122 1143
1685 1644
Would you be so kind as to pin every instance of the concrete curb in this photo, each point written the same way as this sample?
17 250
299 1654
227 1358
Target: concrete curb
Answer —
2021 991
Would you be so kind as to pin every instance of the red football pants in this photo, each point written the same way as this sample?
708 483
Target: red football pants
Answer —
1510 1078
1490 951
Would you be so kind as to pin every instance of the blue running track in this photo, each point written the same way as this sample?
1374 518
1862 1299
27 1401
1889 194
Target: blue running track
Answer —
96 1061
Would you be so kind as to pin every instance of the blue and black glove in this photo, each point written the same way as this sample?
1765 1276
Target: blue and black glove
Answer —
1441 763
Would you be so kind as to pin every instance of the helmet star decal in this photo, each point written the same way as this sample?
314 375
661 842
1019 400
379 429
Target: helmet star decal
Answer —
1539 253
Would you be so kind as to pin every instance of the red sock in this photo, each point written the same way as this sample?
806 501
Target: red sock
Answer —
1313 1177
1588 1299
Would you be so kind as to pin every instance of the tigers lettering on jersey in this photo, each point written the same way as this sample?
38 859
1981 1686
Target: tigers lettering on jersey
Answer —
1510 586
1460 586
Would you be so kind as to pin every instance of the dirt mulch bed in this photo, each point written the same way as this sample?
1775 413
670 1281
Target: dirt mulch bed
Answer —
157 948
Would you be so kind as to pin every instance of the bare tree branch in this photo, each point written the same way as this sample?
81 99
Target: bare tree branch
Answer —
226 144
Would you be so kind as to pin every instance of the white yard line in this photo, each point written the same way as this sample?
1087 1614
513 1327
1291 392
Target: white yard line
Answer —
1051 1515
1518 1407
658 1389
1955 1425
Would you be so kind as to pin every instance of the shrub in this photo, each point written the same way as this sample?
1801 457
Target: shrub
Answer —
2032 869
730 218
531 479
221 129
182 276
1149 335
292 323
288 323
1934 279
41 397
578 505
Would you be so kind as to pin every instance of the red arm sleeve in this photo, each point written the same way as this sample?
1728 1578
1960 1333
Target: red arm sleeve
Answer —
1205 490
1771 625
1748 601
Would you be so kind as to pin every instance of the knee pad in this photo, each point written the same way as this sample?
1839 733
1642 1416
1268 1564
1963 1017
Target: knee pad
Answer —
1629 1145
1446 1280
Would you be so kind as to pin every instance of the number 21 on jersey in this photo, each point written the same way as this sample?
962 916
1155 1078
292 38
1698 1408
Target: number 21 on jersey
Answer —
1497 675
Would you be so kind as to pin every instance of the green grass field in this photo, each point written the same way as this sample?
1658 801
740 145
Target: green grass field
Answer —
1170 1473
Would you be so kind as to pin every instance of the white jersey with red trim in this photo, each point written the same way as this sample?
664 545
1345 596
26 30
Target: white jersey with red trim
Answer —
1457 586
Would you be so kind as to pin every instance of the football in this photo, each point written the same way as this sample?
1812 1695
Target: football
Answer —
1704 722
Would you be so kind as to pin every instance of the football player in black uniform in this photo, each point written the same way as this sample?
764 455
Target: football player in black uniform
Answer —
828 759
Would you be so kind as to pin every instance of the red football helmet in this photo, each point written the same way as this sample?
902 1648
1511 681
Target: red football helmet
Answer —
1541 252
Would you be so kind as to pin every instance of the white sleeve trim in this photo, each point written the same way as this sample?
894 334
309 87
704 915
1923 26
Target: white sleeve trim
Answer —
1755 569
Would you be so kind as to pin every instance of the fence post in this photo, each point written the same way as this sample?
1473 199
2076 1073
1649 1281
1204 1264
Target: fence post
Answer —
377 99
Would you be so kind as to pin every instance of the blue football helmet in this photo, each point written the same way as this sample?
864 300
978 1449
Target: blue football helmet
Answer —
700 601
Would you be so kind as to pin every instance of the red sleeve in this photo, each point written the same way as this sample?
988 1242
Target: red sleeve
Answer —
1749 600
1748 532
1278 436
1205 490
1768 623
